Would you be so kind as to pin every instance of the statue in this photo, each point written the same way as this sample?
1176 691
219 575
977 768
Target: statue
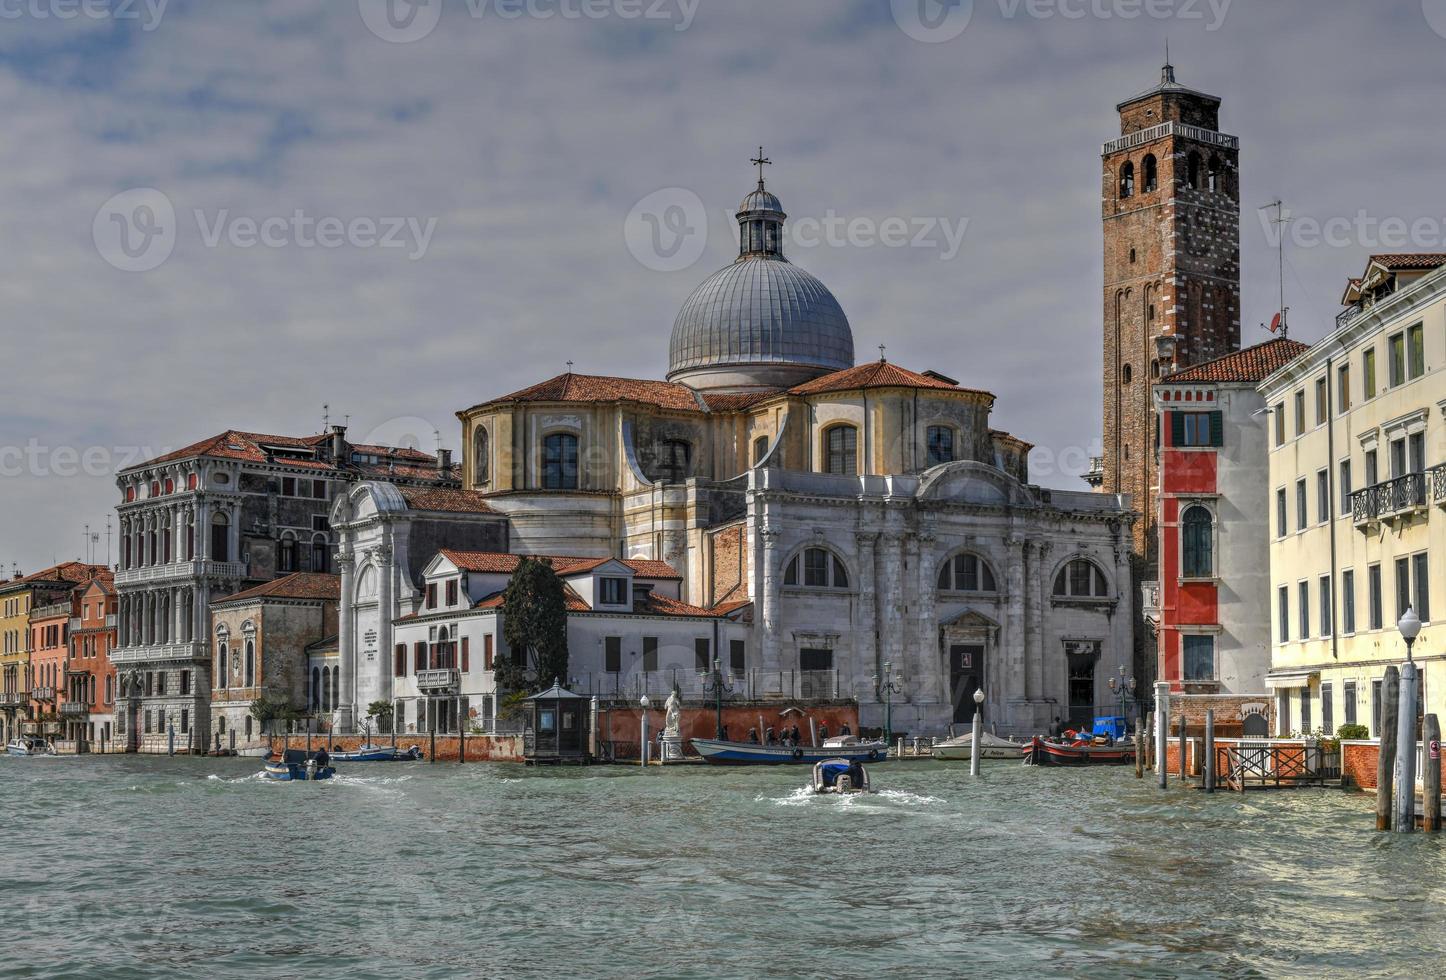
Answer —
670 709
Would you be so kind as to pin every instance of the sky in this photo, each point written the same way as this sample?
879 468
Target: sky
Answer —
229 215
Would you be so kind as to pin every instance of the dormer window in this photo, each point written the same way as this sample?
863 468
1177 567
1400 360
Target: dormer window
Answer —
612 591
451 592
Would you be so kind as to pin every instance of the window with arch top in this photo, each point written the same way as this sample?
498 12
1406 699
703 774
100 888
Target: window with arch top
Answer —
677 456
1192 169
1197 545
1081 578
1151 173
481 460
760 450
967 573
816 568
940 445
1127 180
559 461
841 450
1217 174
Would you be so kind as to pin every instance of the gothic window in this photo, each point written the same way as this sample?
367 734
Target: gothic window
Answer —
318 553
1197 542
316 689
1081 578
1127 180
481 462
677 454
1151 173
559 462
250 680
1192 169
940 444
966 573
286 553
221 673
816 568
842 450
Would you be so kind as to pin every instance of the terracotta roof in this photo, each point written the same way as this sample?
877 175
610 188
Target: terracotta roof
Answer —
326 643
1248 365
1003 436
298 585
600 388
1410 260
571 601
502 563
651 605
876 374
444 499
252 447
74 572
738 400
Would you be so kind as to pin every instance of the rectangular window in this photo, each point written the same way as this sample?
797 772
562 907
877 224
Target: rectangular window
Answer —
1325 606
1281 521
419 656
1396 360
1283 611
811 658
431 595
1196 428
1368 373
1323 496
1305 715
815 568
1321 411
1348 701
185 720
399 660
1403 586
737 656
1376 709
613 591
1327 709
487 653
1373 472
1303 593
1280 424
650 653
1199 658
1348 601
1415 352
466 655
1300 412
451 592
1282 711
613 654
148 723
1373 588
1343 389
940 445
318 489
160 683
288 486
702 655
185 682
1345 491
1301 518
1421 567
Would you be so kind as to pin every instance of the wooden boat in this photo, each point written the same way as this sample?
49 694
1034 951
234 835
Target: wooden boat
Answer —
990 747
1044 752
296 765
29 746
842 776
845 747
379 753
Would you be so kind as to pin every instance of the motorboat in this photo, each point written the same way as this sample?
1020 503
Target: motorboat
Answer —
1083 751
842 776
379 753
295 765
846 747
990 747
29 745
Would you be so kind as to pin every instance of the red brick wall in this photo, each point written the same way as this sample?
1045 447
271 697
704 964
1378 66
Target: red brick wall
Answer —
1359 761
728 546
480 748
624 725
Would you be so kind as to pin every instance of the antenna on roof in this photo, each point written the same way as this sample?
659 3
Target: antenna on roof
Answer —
437 438
569 367
325 418
107 540
1282 217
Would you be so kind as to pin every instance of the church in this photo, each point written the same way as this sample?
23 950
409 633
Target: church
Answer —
857 531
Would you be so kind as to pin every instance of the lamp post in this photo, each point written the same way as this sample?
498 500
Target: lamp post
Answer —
977 730
715 685
1123 687
1410 627
888 685
643 744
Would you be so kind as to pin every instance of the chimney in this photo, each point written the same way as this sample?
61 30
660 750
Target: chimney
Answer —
444 460
338 443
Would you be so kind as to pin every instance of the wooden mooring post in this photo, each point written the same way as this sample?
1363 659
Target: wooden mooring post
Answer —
1183 771
1162 738
1386 758
1431 775
432 752
1139 749
1209 750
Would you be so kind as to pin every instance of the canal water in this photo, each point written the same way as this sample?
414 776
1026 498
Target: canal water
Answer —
140 867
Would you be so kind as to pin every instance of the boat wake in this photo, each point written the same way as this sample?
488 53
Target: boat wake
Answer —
804 796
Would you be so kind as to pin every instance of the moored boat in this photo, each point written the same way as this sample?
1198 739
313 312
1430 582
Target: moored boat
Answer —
379 753
296 765
990 747
842 776
845 747
1044 752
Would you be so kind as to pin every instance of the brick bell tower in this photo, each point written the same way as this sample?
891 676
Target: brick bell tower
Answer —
1171 210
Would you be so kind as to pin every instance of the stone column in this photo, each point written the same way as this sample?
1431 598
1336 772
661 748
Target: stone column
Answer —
891 624
346 644
771 593
933 669
866 662
203 529
386 612
1011 679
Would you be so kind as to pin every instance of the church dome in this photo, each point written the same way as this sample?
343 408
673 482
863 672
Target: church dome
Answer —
762 321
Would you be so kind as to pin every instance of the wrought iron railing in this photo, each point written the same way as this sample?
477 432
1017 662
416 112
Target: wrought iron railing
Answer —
1436 479
1388 498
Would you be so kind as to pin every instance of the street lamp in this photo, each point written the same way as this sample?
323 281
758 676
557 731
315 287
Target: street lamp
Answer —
887 686
715 685
977 730
1410 627
1123 687
643 744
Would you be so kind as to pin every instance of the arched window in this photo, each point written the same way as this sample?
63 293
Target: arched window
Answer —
841 450
319 553
816 568
1197 543
1081 578
220 539
1155 368
250 680
316 689
940 445
286 553
1192 169
481 460
677 455
559 462
221 672
967 573
1151 173
1217 174
760 450
1127 180
1127 374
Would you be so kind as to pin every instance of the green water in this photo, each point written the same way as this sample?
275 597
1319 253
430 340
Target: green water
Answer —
139 867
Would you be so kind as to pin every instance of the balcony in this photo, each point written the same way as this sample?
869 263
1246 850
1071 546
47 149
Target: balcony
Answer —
1436 483
42 693
444 678
74 709
13 699
179 571
1185 130
1392 499
158 651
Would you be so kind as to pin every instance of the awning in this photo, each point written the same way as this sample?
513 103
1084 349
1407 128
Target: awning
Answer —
1290 679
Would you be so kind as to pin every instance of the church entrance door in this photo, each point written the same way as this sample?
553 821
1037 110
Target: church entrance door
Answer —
966 675
1083 655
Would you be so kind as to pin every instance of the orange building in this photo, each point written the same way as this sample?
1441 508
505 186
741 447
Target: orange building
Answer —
49 646
87 705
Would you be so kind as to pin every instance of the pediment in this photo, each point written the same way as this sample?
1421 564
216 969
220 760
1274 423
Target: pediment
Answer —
973 483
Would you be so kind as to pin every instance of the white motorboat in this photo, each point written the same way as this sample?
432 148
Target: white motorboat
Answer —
990 747
29 746
842 776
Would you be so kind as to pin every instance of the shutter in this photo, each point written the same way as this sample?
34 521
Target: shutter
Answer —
1217 428
466 656
1177 428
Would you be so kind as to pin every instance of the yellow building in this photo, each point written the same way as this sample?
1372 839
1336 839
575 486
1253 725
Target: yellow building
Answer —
1358 500
18 597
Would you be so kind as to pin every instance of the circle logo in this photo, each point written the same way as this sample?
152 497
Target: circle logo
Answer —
400 21
932 21
1435 13
135 230
403 432
667 231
